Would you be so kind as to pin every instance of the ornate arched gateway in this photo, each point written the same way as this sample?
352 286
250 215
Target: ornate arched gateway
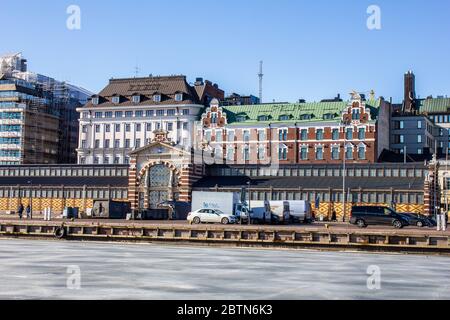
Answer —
158 182
161 172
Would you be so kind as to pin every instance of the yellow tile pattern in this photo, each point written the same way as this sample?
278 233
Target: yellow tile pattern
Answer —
57 205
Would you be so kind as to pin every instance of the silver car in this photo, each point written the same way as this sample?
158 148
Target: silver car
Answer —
210 216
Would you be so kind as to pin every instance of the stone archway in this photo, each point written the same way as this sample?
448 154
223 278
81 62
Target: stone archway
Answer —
158 182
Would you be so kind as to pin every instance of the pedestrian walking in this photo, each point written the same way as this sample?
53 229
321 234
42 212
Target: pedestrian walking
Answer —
20 211
334 216
29 216
441 220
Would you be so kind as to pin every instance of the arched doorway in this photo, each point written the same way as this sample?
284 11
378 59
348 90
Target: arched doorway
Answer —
162 185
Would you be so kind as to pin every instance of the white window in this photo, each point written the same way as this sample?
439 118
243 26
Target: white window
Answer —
402 125
319 153
157 98
419 124
349 153
246 136
116 100
304 153
219 136
218 151
246 153
262 135
95 100
282 152
230 154
208 136
362 153
136 99
230 136
261 152
335 153
179 97
419 138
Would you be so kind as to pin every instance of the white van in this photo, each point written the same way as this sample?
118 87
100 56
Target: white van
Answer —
260 212
300 211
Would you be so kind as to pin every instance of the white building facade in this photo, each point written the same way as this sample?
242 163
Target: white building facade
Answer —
127 113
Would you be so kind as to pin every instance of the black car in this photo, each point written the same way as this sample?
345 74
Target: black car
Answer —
420 220
364 216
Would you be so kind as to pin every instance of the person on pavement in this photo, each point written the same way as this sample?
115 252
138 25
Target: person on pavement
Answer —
29 212
20 211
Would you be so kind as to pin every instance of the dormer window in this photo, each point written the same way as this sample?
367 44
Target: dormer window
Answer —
328 116
284 117
263 118
136 99
95 100
116 99
157 98
241 118
305 117
179 97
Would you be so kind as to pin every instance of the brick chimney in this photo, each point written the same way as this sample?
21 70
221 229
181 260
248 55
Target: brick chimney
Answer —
410 92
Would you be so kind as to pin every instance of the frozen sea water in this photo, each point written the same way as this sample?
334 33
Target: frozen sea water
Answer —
39 270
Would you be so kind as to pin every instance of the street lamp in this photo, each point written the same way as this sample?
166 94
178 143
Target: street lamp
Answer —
30 199
344 125
249 183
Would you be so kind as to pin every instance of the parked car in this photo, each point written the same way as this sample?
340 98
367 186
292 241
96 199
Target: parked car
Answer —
420 220
226 202
210 216
364 216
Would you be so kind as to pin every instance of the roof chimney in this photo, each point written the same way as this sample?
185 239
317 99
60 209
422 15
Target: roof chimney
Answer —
199 81
410 92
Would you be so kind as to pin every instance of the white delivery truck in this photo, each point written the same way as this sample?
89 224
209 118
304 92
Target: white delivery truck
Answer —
280 211
300 211
227 202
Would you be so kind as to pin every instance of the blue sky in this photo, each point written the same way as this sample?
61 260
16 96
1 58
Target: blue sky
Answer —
311 49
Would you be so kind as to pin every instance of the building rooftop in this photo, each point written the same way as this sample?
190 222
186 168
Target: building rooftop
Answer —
315 183
165 86
292 113
433 105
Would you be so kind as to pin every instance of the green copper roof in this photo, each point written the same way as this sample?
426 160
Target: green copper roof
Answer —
434 105
291 113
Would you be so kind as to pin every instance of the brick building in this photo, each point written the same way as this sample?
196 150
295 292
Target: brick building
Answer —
295 133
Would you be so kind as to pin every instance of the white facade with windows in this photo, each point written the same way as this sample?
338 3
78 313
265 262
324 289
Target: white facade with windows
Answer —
128 113
108 135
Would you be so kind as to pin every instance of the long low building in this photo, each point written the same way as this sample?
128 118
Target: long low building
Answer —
404 186
60 186
400 185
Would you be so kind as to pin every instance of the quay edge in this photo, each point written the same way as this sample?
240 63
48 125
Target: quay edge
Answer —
402 241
